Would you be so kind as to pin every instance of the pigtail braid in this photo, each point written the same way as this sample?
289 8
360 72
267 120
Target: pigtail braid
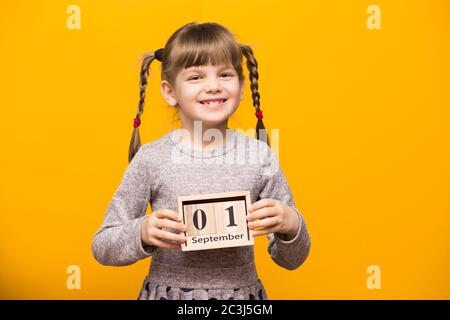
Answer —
135 143
252 65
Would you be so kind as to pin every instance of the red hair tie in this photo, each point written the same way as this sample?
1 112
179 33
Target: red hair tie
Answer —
137 122
259 114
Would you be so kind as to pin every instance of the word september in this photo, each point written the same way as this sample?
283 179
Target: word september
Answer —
217 238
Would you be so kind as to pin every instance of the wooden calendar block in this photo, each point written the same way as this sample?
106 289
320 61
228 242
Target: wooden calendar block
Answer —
217 220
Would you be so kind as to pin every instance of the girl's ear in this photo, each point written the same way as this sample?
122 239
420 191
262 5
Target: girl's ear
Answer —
242 88
168 93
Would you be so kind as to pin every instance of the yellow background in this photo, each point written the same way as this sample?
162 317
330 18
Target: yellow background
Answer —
364 137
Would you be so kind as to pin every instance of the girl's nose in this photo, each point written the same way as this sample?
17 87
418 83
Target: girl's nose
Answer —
212 84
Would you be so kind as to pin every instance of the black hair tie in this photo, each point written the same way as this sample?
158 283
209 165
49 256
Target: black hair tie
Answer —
159 54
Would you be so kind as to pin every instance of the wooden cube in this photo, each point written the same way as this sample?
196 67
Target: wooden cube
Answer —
216 220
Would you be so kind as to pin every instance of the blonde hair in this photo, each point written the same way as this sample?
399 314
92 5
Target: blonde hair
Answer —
197 44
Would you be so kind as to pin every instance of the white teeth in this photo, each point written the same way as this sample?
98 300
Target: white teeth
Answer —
214 102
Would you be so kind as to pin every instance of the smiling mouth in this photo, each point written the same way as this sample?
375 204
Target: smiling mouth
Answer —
214 103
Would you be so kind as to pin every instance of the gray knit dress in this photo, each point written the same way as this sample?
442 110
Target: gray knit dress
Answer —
164 169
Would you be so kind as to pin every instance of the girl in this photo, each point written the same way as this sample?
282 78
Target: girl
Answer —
202 78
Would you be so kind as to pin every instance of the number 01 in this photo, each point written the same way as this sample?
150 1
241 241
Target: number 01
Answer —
199 225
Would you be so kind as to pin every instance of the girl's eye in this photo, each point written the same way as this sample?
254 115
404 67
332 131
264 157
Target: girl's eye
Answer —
223 74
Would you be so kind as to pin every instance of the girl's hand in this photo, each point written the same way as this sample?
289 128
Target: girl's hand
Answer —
276 217
153 235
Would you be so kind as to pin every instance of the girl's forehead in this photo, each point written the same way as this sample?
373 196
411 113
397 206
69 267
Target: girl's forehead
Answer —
209 66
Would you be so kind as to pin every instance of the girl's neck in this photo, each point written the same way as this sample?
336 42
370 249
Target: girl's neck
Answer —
200 138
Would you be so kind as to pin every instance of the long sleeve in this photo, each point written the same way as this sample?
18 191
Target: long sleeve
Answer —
118 240
287 254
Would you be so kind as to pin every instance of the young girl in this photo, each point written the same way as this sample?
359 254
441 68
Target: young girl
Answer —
202 78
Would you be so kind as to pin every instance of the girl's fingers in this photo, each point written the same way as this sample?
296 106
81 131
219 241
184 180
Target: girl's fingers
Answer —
261 232
166 235
169 214
166 223
164 244
262 213
267 202
264 223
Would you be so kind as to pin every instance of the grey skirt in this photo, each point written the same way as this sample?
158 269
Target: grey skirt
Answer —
151 291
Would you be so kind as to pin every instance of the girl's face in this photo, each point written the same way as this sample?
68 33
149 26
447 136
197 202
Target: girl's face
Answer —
200 91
